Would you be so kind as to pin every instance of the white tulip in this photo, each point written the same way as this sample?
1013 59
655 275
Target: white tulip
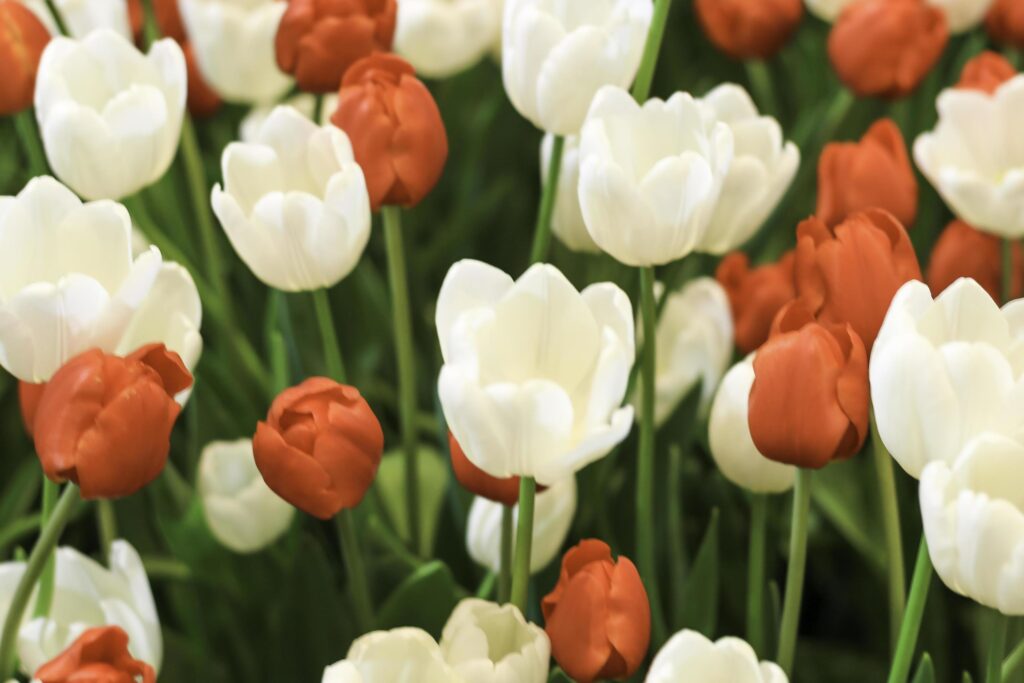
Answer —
305 103
975 156
401 655
651 176
732 447
567 218
554 510
945 371
963 15
489 643
294 203
557 55
763 166
233 42
81 17
973 514
534 371
443 37
240 509
827 10
689 657
110 116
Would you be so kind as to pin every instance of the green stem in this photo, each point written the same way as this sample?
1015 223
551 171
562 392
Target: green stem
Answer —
542 233
318 108
795 572
645 74
106 522
761 83
33 568
505 573
911 626
45 598
756 572
893 537
381 534
524 543
483 591
1007 270
166 568
353 556
996 647
28 134
328 336
1013 661
57 18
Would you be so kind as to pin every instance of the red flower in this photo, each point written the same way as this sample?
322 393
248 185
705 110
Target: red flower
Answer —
962 251
478 482
986 72
100 655
755 295
22 40
1005 22
29 396
749 30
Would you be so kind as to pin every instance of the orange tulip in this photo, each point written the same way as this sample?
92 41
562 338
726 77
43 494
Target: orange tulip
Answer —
808 405
395 128
962 251
318 40
1005 22
749 30
104 422
986 72
28 399
99 655
755 295
168 19
22 40
885 48
136 19
320 446
872 173
478 482
850 273
597 617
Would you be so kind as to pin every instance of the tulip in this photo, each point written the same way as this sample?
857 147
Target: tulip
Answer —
651 175
554 510
167 14
82 17
240 509
597 617
397 656
962 251
729 437
756 295
478 482
984 188
99 654
1005 22
749 30
488 643
22 41
761 171
29 396
809 400
872 173
202 99
318 40
567 218
440 38
986 73
534 371
689 656
944 371
395 127
304 103
828 10
319 447
294 203
885 48
850 272
962 15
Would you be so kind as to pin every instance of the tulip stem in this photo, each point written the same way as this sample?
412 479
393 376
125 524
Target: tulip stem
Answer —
542 233
893 537
45 598
106 521
795 572
761 83
353 556
328 336
505 572
755 572
911 626
318 108
645 74
524 543
996 647
406 361
1007 270
1013 661
33 569
57 18
28 133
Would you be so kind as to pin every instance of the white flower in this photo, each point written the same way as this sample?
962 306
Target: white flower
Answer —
567 218
401 655
489 643
973 514
827 10
443 37
689 657
240 509
944 371
763 166
294 203
651 176
110 116
534 371
233 42
552 519
557 55
305 103
729 437
975 156
963 15
81 17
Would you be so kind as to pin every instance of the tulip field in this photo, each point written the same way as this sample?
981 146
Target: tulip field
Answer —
512 341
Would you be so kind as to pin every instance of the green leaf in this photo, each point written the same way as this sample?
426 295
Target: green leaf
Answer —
700 594
433 480
839 494
925 670
559 676
425 599
21 491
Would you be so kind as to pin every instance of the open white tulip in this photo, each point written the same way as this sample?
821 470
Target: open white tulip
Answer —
294 203
975 156
763 166
567 217
553 513
397 656
729 437
534 371
557 55
304 103
489 643
973 514
945 371
240 509
827 10
81 17
233 42
963 15
110 116
689 657
651 176
443 37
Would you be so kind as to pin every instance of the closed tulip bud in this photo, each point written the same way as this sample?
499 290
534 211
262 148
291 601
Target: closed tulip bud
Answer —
689 656
749 30
962 251
885 48
827 10
22 41
1005 22
488 643
99 654
872 173
567 217
304 103
962 15
809 400
395 128
29 396
597 617
396 656
82 17
986 73
319 447
476 481
441 38
756 295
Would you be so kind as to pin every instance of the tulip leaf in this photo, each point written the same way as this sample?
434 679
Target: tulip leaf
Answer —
21 491
839 494
925 670
700 594
559 676
424 599
433 480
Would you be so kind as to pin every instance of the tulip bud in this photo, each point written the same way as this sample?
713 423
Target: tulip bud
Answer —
488 643
319 447
1005 22
749 30
104 422
503 490
986 73
597 617
885 48
29 396
22 41
395 127
809 401
872 173
398 655
689 656
962 251
756 295
203 100
567 217
99 654
962 15
441 38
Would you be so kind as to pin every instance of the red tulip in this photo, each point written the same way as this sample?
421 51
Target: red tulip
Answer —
749 30
22 40
756 295
99 655
962 251
478 482
1005 22
986 72
29 396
